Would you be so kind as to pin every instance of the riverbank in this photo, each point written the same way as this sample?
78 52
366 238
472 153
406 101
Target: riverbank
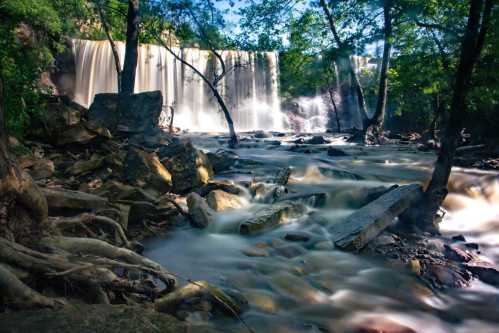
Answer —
290 276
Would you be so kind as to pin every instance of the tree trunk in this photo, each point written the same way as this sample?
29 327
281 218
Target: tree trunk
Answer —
23 208
351 68
114 49
423 214
337 116
376 123
131 50
233 141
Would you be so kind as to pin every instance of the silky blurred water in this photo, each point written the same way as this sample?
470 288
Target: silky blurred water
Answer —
325 290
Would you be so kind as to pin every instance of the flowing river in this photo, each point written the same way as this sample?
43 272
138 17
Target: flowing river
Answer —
311 287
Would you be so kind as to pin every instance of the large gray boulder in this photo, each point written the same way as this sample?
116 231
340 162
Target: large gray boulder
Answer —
144 169
190 168
138 112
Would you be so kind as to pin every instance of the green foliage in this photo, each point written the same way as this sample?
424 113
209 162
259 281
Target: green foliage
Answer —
27 40
305 64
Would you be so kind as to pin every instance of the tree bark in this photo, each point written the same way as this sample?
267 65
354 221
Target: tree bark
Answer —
131 50
351 68
376 123
423 214
114 49
336 115
23 208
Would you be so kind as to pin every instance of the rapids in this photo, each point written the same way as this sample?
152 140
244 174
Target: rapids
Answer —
325 290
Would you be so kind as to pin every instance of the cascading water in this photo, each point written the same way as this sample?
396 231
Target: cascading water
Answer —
250 87
313 114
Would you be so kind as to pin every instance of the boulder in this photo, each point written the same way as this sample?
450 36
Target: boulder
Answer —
59 199
222 160
140 113
189 167
84 167
201 214
220 201
116 191
41 168
144 210
144 169
270 217
82 133
199 289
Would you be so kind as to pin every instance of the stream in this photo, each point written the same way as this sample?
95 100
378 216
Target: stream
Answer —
311 287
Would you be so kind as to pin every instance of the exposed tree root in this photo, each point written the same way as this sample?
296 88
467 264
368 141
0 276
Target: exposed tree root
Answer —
87 218
19 295
98 248
84 261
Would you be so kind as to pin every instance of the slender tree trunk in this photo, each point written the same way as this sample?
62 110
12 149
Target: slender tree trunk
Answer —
376 122
351 68
336 115
114 49
131 51
233 141
423 214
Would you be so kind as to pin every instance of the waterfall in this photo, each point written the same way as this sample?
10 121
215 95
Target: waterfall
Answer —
313 114
250 88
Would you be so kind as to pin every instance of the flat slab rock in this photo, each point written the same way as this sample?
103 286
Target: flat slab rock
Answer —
270 217
58 198
369 221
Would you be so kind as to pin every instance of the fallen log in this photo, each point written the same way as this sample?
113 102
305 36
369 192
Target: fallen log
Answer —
270 217
369 221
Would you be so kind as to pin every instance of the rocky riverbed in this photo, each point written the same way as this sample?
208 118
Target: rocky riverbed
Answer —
286 233
292 275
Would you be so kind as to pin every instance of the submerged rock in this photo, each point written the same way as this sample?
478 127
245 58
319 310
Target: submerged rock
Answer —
221 201
262 134
317 140
297 236
255 251
202 215
331 151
